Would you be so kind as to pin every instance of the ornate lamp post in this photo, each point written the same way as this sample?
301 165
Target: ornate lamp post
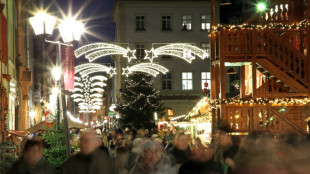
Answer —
70 30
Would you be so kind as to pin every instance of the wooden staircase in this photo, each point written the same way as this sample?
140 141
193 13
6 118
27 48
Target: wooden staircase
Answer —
270 51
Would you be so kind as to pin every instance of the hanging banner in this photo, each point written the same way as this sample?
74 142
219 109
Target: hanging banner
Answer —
68 66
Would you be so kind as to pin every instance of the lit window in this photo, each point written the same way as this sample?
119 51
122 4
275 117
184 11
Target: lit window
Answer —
170 112
140 23
187 80
206 47
140 51
187 22
205 77
166 81
205 22
166 23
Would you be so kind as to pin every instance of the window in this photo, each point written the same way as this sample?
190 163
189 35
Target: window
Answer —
186 22
187 80
166 23
205 77
140 51
170 111
206 47
166 81
205 22
166 57
234 81
140 23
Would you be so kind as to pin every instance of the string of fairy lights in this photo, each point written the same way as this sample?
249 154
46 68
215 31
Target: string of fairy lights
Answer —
279 26
208 104
215 103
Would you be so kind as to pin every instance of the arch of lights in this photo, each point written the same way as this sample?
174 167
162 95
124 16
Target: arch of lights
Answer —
98 68
92 89
88 89
150 68
186 52
183 51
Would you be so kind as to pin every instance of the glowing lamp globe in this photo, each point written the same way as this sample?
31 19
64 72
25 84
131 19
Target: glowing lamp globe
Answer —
42 23
261 6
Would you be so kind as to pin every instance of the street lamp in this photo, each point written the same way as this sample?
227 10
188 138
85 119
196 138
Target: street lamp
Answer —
42 23
70 30
261 6
56 73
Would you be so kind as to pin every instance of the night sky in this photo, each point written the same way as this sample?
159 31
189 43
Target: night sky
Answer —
95 14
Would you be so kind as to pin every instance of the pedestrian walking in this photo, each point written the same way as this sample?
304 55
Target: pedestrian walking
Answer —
90 160
32 161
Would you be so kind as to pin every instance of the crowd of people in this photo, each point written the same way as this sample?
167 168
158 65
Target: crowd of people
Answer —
144 152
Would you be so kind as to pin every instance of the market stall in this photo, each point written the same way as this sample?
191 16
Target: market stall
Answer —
197 123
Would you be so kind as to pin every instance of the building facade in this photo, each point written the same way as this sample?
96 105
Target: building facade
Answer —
144 25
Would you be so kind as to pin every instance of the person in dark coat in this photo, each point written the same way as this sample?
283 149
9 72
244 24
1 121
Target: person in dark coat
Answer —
90 160
180 152
201 162
32 161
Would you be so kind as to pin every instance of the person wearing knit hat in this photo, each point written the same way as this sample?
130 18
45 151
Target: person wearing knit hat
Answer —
153 160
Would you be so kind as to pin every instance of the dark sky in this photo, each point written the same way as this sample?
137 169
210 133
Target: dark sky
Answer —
96 16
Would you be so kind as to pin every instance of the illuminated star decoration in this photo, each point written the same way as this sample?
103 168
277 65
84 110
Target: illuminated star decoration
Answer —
130 54
126 71
112 71
150 55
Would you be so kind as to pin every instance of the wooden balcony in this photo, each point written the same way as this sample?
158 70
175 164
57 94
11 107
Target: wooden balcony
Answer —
266 48
275 120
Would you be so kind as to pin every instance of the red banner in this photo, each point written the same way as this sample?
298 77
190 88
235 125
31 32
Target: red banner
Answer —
68 66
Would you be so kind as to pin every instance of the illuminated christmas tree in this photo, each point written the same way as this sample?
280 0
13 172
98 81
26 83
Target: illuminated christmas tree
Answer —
140 100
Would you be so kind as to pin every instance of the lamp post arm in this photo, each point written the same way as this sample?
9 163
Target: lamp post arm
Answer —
58 42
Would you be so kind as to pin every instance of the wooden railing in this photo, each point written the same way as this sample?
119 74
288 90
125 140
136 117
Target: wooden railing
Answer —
246 119
271 86
264 44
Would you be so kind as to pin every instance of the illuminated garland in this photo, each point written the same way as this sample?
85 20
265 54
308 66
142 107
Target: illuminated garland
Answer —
79 100
89 66
78 84
101 84
96 100
77 78
76 95
101 53
154 66
149 68
104 49
87 102
96 95
96 89
183 51
264 101
77 90
96 46
101 78
91 71
302 24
